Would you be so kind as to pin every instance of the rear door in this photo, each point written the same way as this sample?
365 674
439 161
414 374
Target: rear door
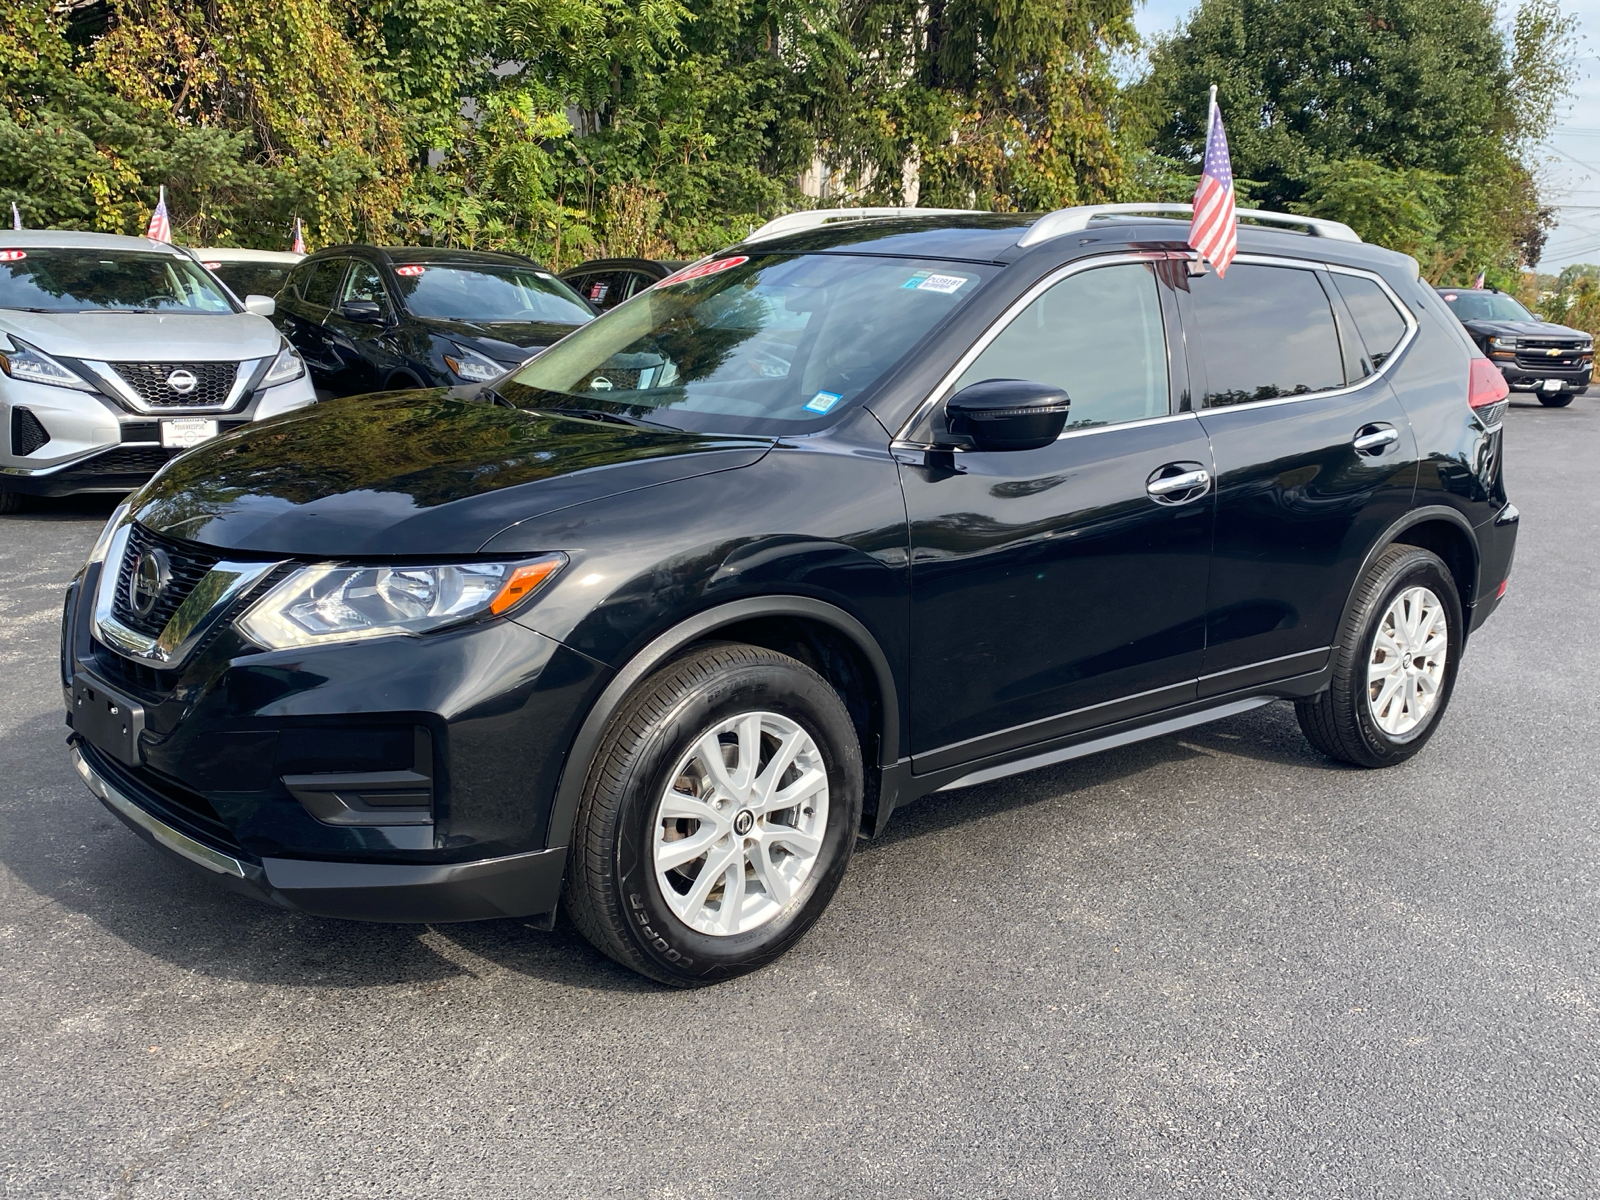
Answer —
1315 459
1053 590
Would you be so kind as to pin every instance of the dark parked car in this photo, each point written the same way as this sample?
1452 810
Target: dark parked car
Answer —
1536 356
607 282
370 319
660 622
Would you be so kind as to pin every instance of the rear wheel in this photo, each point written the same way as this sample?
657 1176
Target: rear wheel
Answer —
10 502
718 817
1561 400
1394 666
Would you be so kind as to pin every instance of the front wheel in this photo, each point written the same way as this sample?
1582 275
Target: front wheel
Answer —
718 817
10 502
1394 666
1560 400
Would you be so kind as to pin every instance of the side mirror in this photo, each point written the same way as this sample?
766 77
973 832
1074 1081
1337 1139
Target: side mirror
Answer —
262 306
368 312
1008 414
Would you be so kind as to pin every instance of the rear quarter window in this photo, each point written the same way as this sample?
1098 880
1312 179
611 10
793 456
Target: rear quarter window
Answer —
1377 320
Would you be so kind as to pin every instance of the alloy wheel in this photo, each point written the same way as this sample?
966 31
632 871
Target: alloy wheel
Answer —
1406 669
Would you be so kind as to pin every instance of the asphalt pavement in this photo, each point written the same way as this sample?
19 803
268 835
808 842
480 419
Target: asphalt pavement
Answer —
1215 964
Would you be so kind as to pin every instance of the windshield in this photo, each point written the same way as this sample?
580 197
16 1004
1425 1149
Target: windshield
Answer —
766 345
1485 306
253 278
488 293
53 279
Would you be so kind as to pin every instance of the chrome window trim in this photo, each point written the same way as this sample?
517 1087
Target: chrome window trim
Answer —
940 392
200 610
1304 264
245 370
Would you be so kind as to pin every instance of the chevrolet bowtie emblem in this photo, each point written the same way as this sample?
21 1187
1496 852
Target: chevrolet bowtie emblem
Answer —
1553 353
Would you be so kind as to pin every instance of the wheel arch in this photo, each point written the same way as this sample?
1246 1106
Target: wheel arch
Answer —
1446 533
398 381
832 642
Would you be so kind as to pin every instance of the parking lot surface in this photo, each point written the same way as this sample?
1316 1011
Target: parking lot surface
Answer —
1211 965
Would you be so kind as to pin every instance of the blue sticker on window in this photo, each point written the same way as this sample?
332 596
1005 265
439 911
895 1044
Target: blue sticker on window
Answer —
823 401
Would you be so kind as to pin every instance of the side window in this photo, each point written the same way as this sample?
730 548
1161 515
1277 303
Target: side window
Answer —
1377 320
600 291
323 286
295 285
1099 336
364 283
1265 332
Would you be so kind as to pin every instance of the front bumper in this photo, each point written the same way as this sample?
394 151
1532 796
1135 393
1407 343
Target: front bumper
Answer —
1532 379
517 885
392 780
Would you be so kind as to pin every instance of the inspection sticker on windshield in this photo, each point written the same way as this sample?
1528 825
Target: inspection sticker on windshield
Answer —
13 255
823 401
927 281
413 269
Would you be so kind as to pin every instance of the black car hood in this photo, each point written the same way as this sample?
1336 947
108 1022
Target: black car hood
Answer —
1521 329
411 473
504 341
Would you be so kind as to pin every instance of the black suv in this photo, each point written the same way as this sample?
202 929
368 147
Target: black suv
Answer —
1536 356
370 319
657 624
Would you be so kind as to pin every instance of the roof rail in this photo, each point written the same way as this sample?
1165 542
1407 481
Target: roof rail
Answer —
1074 220
814 218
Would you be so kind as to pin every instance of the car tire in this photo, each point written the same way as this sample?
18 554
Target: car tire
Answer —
1561 401
1390 684
651 786
10 502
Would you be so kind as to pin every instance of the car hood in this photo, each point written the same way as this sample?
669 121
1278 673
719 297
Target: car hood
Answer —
411 473
1522 329
504 341
145 337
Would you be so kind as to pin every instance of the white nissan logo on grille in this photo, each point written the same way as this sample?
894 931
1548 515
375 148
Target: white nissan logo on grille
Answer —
183 382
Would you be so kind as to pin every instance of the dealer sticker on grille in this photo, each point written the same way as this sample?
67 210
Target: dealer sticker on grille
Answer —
182 432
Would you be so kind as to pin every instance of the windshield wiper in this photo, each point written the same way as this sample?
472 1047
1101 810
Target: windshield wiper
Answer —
598 414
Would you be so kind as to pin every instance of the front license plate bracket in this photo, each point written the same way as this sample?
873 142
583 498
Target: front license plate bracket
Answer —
108 720
180 433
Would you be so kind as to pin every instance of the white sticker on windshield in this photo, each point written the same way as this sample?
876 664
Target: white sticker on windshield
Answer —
823 401
927 281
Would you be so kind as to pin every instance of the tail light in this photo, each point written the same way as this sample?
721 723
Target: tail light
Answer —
1485 385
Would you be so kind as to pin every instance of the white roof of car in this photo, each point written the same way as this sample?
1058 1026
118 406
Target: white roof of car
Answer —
70 239
238 254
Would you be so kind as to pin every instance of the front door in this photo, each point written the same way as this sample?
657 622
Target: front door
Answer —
359 350
1063 588
306 300
1315 459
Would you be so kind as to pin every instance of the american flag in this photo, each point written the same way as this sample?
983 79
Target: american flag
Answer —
1479 281
1214 229
299 238
160 229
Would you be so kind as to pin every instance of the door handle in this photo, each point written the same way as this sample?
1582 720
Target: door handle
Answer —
1371 439
1172 488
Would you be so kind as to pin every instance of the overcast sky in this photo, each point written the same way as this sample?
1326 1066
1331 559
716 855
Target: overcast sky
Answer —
1569 163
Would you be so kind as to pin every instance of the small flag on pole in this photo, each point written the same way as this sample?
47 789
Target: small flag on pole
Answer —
1214 229
299 238
160 229
16 217
1479 281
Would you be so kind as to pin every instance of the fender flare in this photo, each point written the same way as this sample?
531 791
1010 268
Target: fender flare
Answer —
580 755
1417 516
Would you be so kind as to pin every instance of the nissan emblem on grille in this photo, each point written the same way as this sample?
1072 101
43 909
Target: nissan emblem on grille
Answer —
151 574
183 382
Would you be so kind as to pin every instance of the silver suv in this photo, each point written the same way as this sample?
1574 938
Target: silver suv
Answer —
117 353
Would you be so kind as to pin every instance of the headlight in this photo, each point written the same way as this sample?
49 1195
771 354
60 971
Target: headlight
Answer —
472 366
323 604
103 542
1502 343
21 361
288 365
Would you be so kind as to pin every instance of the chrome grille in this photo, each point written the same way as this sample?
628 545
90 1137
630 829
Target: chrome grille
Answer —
213 382
189 565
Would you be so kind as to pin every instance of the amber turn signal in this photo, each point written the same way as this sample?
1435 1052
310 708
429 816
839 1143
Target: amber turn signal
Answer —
524 580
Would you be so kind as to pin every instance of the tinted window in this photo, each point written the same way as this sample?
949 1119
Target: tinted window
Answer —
323 285
1265 332
603 291
1099 336
1377 320
1469 305
488 292
766 344
252 278
54 279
